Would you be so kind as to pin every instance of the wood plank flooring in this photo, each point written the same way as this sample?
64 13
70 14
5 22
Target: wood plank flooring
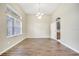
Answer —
40 47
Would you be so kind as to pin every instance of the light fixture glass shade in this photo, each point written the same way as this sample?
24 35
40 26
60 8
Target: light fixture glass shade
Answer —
39 17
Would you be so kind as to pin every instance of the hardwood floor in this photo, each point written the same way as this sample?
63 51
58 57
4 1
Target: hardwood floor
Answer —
40 47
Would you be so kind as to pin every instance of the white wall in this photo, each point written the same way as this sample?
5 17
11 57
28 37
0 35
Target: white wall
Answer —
69 14
38 28
53 30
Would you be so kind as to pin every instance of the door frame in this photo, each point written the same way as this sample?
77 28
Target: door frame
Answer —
58 28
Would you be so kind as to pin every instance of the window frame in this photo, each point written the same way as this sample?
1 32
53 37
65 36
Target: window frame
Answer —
20 27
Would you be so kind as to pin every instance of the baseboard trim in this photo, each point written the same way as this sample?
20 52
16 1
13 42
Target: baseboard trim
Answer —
68 46
10 47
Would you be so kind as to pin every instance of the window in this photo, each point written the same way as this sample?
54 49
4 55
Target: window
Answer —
14 24
10 26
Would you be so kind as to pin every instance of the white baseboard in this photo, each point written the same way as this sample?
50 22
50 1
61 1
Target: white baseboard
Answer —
68 46
10 47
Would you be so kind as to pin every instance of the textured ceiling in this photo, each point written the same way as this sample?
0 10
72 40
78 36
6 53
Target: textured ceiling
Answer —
34 8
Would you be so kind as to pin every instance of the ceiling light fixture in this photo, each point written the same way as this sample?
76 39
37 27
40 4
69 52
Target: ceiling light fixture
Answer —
39 14
39 17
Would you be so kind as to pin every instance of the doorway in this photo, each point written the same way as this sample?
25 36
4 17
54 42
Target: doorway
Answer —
58 28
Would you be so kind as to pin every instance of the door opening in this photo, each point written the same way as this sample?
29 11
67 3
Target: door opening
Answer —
58 28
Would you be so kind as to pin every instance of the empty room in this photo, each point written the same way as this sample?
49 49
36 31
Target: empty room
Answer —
39 29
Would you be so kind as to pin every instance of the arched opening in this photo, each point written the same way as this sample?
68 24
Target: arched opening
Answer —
58 28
